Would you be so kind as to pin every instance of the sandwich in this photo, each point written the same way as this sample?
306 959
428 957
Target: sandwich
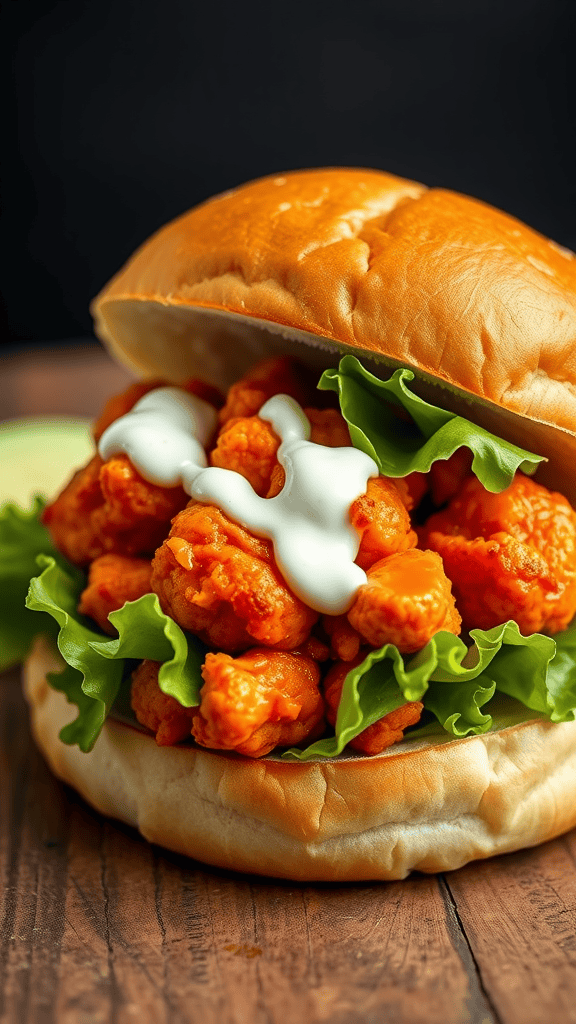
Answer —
309 611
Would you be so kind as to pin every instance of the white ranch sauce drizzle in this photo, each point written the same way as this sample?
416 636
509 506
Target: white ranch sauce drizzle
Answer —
163 434
308 523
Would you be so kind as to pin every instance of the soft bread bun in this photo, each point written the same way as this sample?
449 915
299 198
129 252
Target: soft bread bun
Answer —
422 806
478 304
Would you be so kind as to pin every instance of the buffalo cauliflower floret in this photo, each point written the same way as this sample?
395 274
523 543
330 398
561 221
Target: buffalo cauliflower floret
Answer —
162 714
258 701
407 599
249 446
113 580
221 582
277 376
510 555
109 507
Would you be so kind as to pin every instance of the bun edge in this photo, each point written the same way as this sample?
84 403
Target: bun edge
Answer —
424 806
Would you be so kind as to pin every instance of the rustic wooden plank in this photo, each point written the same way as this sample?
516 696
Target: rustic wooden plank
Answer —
274 952
33 868
519 916
98 925
111 962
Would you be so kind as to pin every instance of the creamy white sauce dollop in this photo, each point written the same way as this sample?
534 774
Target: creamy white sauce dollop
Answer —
165 432
308 523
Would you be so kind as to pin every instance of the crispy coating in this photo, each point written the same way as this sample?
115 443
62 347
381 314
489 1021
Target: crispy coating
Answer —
249 445
259 701
519 550
407 599
156 710
381 519
379 735
328 427
222 583
108 507
344 639
120 404
269 377
314 648
113 580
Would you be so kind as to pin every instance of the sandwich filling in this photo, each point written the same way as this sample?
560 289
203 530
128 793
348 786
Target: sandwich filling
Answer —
314 541
300 568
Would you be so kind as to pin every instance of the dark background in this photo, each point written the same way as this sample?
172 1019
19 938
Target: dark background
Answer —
123 114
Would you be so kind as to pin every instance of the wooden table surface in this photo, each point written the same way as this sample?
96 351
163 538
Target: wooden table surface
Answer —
98 926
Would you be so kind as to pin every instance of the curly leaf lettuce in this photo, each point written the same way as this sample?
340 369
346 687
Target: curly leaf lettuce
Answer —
22 538
456 683
96 665
56 592
368 405
146 632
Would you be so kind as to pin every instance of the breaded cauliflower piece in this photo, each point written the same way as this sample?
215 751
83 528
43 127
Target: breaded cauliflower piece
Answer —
261 700
221 582
407 599
510 555
382 734
156 710
113 580
412 489
344 639
381 519
109 507
249 446
276 376
328 427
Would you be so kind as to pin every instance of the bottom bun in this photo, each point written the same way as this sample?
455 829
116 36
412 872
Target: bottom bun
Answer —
423 805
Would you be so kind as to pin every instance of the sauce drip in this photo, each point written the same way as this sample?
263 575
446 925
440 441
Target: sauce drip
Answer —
164 433
308 523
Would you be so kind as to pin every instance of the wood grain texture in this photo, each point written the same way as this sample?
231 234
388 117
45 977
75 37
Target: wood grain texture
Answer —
98 927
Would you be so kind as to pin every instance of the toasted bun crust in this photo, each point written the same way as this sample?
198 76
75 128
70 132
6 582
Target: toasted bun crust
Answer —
426 807
362 261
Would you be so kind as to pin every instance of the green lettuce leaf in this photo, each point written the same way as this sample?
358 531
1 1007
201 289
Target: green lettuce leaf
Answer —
399 448
96 664
456 683
146 632
22 538
542 676
56 591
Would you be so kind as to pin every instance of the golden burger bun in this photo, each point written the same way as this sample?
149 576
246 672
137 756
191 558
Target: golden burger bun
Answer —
478 304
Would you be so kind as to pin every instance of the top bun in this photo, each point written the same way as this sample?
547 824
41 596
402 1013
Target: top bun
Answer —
354 260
